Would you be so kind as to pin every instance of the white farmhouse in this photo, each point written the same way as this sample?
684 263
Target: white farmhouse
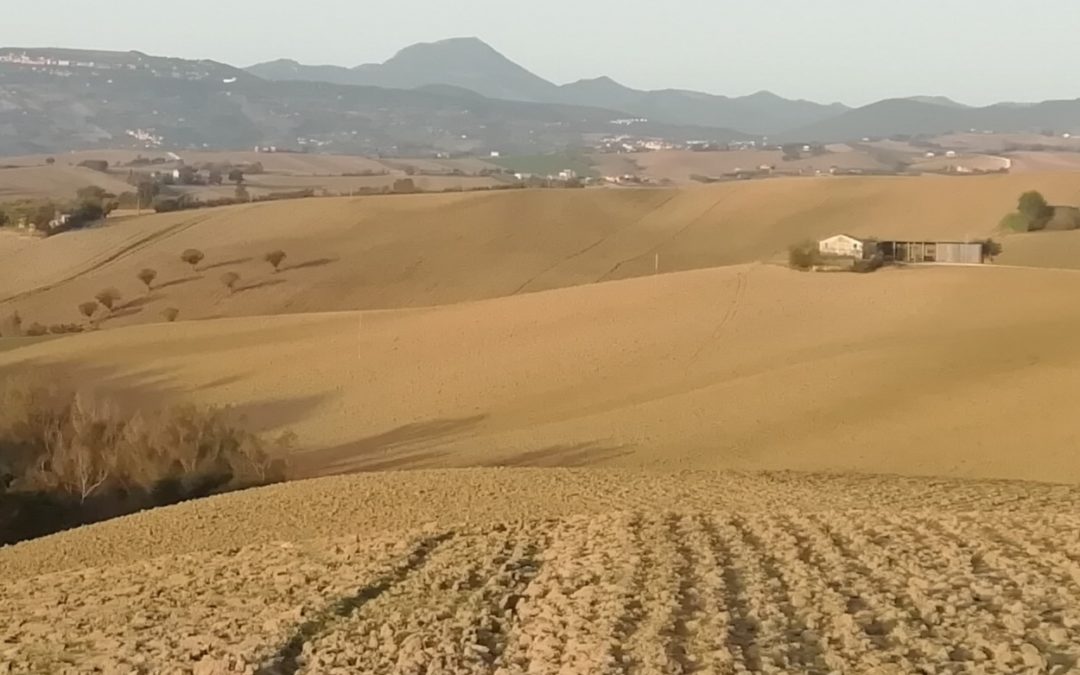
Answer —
847 246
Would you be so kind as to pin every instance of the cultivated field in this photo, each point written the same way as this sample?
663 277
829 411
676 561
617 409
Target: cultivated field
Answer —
726 467
422 250
955 577
921 371
679 165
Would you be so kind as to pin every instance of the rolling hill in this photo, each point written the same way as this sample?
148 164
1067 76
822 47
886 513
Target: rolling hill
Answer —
422 250
930 117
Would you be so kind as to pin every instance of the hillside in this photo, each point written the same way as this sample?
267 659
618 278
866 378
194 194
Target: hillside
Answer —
189 105
932 117
689 370
647 590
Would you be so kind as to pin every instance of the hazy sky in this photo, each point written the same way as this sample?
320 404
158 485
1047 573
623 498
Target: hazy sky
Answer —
855 51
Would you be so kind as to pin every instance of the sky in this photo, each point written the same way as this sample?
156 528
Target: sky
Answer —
852 51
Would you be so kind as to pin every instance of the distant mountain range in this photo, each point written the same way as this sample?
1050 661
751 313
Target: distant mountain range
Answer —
454 96
471 64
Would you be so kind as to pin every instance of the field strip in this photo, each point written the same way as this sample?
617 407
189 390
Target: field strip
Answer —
287 658
456 612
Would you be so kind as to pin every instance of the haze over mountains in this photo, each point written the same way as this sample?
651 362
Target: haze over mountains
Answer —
453 96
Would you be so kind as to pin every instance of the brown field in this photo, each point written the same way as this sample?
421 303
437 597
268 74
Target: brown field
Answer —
421 250
978 142
679 165
1041 162
792 574
565 463
54 182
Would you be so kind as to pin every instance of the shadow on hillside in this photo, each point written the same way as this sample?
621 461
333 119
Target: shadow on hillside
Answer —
225 263
140 301
565 455
177 282
256 286
119 314
310 263
410 446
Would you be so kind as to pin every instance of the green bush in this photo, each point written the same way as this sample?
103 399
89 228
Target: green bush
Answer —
1016 221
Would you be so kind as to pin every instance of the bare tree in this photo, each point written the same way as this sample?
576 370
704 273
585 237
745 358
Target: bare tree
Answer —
275 258
147 276
230 279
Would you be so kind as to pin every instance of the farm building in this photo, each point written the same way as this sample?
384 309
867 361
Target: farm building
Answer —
955 252
847 246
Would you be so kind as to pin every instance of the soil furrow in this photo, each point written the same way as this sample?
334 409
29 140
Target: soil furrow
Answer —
287 659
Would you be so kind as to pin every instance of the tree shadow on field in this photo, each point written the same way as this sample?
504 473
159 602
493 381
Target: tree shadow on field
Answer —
177 282
256 286
410 446
120 314
564 455
140 301
310 263
225 263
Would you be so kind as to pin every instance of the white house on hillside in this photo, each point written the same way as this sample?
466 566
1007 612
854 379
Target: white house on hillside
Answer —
847 246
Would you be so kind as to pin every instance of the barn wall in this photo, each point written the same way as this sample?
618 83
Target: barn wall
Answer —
970 254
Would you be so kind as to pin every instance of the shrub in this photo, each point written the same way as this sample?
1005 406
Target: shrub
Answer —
193 257
868 265
82 460
275 258
804 255
1035 207
229 280
991 249
170 314
1016 221
108 297
147 276
37 330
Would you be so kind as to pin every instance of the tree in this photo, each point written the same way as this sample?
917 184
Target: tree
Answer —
146 191
147 276
87 309
193 257
50 160
242 193
3 218
236 176
275 258
170 314
404 186
215 177
991 249
107 298
91 193
1035 208
230 279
